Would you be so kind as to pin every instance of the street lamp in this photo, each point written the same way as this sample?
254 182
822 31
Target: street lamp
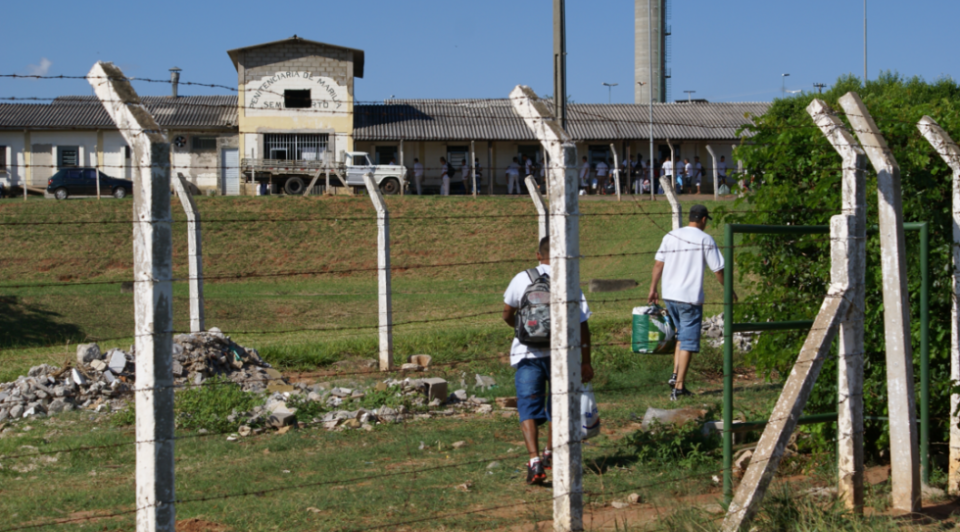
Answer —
783 85
610 87
688 95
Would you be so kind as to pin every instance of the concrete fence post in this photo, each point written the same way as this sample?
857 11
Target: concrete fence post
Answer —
948 150
565 378
153 296
669 184
796 390
901 402
194 252
473 167
616 169
383 273
851 354
716 179
543 218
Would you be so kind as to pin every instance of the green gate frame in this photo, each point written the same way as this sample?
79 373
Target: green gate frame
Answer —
729 327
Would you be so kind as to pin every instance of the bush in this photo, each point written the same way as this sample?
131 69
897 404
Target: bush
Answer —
208 406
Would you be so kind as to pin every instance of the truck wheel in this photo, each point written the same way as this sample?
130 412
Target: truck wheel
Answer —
294 186
390 186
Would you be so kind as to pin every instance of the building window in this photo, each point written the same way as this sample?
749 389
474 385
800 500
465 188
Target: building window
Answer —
384 154
69 156
457 154
126 152
3 157
293 147
296 99
204 143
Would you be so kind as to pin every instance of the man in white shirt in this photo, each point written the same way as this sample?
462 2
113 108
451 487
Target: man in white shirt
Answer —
697 173
533 367
445 171
687 175
680 262
667 172
513 176
602 171
584 176
527 167
722 170
418 175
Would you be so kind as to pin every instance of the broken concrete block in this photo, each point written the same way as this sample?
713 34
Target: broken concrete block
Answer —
352 424
611 285
436 389
281 419
279 387
98 365
409 366
459 395
485 409
420 360
108 377
459 444
619 504
87 353
78 377
633 498
678 416
486 382
117 362
244 431
507 402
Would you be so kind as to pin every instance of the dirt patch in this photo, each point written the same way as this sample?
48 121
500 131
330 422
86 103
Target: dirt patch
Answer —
200 525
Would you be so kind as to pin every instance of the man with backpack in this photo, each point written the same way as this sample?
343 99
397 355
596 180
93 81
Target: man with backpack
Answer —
527 310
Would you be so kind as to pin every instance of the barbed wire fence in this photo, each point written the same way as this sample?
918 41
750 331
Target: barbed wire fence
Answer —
10 220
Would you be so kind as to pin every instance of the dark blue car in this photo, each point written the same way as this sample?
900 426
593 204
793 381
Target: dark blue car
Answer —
83 182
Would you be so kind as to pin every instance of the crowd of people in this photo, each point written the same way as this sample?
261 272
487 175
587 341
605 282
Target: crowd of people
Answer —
636 176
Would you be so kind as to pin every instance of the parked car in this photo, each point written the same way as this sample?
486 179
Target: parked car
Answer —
83 182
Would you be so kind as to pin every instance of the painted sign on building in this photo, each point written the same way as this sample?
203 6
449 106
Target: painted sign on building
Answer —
295 94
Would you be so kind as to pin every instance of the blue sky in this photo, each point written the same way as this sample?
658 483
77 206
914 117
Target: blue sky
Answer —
734 50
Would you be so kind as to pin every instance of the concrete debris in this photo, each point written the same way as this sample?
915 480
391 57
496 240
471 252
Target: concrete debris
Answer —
459 444
712 330
931 493
828 493
493 465
619 504
485 382
671 417
104 382
633 498
420 360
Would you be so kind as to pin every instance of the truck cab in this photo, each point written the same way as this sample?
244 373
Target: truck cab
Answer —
391 178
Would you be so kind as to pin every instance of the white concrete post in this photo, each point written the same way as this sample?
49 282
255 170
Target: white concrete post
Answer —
616 169
796 391
850 367
629 170
565 383
194 252
96 154
716 180
383 273
473 167
543 218
669 190
403 178
153 296
901 401
948 150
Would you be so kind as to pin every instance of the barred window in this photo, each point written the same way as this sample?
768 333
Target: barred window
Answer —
204 143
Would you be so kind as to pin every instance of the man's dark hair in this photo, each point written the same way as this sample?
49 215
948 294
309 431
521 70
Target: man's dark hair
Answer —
544 248
416 160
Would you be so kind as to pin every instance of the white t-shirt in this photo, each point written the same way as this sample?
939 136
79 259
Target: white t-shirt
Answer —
528 166
513 169
512 297
418 170
465 171
584 174
667 167
683 253
722 168
602 169
688 169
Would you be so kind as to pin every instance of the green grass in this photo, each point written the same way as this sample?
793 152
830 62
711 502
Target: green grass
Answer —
316 480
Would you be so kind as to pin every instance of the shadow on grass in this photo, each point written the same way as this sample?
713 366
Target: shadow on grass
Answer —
23 325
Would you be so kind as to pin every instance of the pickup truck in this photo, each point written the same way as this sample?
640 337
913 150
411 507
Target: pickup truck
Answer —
390 177
293 176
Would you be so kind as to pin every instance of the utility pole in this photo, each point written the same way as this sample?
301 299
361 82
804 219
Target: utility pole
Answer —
819 87
653 186
783 85
559 63
864 42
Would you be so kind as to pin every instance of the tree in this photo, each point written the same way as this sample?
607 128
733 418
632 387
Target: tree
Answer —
799 175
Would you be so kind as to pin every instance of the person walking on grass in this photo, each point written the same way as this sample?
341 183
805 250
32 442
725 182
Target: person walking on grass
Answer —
680 263
533 365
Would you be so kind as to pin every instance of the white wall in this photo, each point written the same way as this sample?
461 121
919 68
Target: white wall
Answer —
13 140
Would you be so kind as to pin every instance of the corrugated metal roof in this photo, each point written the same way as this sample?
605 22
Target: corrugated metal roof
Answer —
495 120
86 112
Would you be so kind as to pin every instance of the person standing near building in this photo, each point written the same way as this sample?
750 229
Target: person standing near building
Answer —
697 173
602 175
722 170
445 171
418 176
513 176
667 172
533 366
687 175
680 262
466 176
584 176
478 170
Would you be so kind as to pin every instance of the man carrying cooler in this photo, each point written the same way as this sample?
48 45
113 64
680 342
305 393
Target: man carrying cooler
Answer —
533 367
680 261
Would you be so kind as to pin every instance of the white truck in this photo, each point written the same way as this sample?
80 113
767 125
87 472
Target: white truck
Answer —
293 176
390 177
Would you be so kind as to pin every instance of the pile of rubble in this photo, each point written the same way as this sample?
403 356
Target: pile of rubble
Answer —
712 330
99 380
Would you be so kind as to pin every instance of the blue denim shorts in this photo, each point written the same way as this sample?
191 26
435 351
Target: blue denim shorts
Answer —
688 319
531 380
